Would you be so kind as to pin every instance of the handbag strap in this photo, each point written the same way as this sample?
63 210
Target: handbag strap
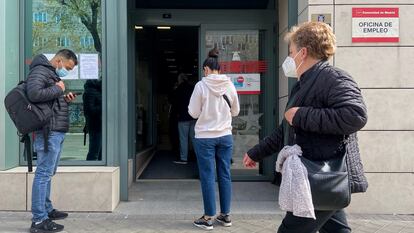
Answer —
227 100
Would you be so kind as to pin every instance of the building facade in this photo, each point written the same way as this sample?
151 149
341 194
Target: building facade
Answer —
136 49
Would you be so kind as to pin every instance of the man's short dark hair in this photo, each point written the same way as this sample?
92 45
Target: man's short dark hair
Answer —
68 54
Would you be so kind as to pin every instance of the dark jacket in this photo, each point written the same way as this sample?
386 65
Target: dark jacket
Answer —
331 106
181 99
41 88
92 104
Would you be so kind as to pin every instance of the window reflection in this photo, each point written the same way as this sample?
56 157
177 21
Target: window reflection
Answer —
239 58
75 25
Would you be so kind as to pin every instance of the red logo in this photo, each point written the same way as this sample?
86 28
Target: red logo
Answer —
240 79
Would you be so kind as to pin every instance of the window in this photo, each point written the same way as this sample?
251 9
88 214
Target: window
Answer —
40 17
86 41
58 17
40 42
62 42
56 25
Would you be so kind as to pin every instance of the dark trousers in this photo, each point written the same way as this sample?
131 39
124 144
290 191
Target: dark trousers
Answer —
95 145
326 222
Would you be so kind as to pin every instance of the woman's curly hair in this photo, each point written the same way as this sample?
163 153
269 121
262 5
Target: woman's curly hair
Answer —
317 37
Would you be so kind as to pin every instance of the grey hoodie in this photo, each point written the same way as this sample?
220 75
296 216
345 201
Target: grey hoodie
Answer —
208 105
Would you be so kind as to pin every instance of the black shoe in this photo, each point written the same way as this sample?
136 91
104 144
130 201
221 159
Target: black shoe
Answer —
180 161
45 227
224 220
57 215
206 224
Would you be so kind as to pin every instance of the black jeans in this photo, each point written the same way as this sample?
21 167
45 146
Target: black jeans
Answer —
95 145
326 222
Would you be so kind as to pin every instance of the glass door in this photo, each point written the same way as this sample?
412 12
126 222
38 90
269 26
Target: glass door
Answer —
241 59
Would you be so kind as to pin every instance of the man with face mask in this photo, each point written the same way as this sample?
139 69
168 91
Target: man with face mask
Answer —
44 85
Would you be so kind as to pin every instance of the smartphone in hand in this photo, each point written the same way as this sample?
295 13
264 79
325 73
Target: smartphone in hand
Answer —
75 93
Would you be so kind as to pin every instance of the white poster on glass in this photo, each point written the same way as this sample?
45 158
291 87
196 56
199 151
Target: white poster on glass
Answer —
73 74
89 66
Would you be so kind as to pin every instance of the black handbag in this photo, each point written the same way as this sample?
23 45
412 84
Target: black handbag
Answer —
329 182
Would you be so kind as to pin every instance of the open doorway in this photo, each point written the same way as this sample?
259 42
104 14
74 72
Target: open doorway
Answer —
162 55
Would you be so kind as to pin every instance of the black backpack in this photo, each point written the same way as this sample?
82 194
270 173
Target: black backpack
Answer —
27 116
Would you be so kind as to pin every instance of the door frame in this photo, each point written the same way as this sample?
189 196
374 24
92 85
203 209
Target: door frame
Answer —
262 20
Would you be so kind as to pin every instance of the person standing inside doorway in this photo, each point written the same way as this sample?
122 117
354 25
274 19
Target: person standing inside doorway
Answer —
92 108
214 102
44 85
185 121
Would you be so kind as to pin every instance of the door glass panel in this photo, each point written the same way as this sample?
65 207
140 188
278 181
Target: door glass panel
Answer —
74 25
239 59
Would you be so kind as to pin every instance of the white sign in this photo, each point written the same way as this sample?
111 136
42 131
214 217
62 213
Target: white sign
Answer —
375 25
89 66
246 84
73 74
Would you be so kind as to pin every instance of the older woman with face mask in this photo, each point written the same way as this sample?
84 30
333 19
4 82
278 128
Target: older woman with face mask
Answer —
324 106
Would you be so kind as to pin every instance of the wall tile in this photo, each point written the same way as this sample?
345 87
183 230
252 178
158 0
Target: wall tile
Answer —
283 15
315 2
302 5
389 109
356 2
303 17
283 48
282 106
116 187
387 151
81 191
388 193
373 67
283 84
13 191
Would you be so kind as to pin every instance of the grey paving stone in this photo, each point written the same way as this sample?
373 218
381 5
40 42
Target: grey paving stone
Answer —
171 207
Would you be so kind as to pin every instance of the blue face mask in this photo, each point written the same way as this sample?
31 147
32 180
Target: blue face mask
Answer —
62 72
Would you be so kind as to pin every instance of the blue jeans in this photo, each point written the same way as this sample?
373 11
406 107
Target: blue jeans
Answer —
47 163
185 130
215 154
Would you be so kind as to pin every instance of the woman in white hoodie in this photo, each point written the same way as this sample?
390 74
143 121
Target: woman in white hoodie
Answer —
213 103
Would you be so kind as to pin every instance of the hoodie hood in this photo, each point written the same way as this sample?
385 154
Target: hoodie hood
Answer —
218 84
41 60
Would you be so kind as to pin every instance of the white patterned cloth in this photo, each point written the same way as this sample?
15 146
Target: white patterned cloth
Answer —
295 194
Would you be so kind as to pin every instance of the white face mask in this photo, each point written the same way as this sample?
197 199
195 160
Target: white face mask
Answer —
289 66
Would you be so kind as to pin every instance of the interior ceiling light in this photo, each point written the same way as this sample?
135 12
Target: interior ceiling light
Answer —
139 27
163 28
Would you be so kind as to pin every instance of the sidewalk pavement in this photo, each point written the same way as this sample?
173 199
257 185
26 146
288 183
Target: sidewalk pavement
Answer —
171 206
